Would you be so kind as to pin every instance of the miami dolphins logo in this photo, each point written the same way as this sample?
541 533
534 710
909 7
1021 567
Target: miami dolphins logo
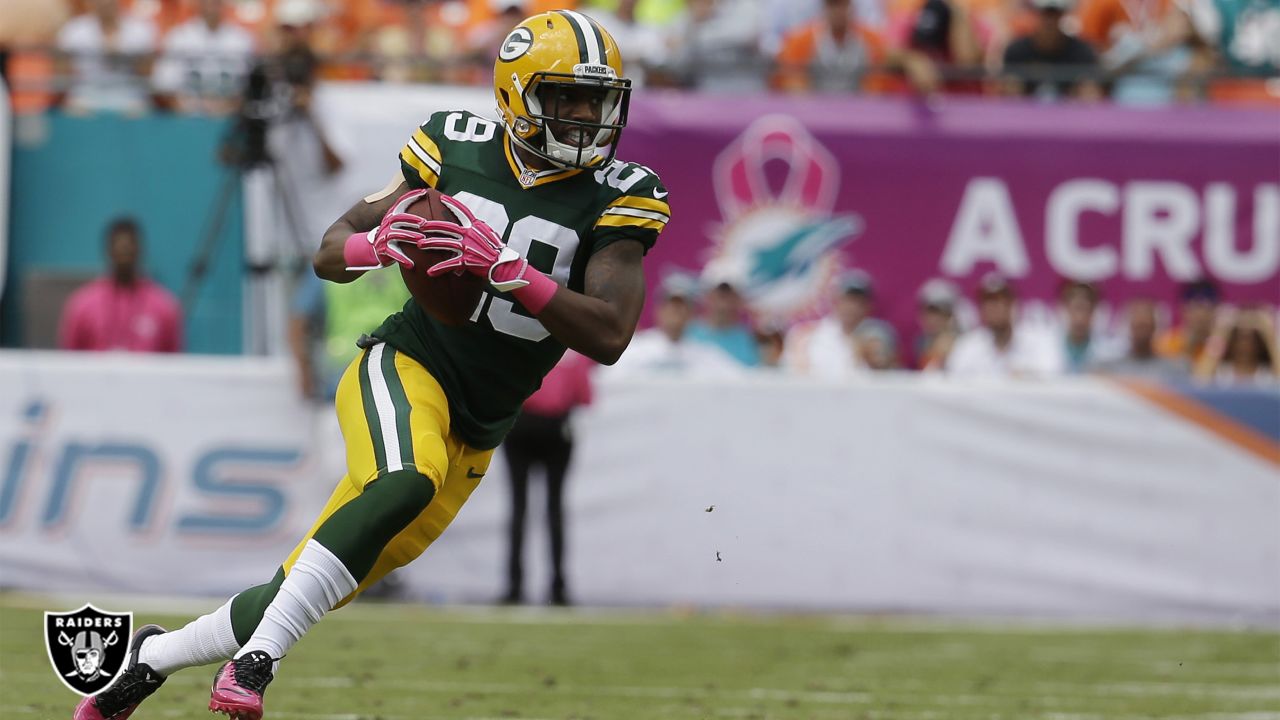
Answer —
779 242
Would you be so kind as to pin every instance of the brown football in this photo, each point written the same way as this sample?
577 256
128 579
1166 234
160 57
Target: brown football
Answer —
450 298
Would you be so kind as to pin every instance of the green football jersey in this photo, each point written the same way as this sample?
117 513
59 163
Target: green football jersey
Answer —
557 219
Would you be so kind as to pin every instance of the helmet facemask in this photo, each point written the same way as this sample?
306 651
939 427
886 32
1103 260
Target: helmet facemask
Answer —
601 135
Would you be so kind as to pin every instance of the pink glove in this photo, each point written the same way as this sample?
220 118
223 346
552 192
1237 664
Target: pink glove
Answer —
482 252
380 246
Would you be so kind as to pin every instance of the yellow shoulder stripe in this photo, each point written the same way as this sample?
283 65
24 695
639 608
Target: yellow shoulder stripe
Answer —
642 203
630 222
429 176
428 145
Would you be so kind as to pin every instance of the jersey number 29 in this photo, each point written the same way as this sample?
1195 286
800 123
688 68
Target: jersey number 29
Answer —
523 235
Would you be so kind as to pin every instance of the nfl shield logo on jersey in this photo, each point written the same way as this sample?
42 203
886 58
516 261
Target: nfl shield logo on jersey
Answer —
87 647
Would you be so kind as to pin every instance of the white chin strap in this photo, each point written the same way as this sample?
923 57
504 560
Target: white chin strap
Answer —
568 153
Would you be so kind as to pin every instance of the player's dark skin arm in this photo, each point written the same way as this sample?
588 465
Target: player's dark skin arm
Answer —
362 217
600 322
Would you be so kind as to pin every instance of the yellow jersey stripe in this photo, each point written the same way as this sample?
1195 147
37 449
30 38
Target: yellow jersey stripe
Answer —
642 203
429 145
629 222
632 212
429 176
423 155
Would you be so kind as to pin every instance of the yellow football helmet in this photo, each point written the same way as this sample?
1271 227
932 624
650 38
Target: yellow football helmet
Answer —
538 58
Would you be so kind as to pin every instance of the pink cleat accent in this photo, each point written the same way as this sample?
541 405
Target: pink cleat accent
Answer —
136 682
240 684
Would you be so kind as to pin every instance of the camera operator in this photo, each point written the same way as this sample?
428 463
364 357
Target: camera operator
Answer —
281 150
275 121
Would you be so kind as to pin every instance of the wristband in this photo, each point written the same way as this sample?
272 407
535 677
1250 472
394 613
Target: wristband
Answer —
358 252
535 296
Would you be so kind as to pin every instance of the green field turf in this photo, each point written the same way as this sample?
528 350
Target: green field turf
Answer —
411 663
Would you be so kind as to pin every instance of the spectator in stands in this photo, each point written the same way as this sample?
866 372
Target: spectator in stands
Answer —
665 349
1241 350
723 324
1152 39
107 52
1048 63
205 60
840 345
946 33
837 53
1199 305
770 341
1140 360
1001 348
543 437
715 47
1084 346
640 43
937 321
877 345
783 16
123 310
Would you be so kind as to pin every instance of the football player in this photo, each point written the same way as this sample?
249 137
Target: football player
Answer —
558 229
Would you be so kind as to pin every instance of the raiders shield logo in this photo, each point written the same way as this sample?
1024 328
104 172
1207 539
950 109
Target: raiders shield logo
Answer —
87 646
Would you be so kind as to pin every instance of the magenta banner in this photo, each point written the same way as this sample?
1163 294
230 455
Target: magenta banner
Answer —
781 194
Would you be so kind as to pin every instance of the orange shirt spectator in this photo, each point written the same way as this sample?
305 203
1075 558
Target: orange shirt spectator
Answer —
25 26
833 53
1199 308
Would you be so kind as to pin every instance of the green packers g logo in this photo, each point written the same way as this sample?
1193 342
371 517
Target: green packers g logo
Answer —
517 44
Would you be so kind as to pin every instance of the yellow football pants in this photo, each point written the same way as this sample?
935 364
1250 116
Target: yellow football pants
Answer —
394 416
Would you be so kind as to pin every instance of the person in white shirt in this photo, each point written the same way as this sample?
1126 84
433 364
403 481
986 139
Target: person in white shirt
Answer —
847 341
205 61
108 51
665 349
1000 348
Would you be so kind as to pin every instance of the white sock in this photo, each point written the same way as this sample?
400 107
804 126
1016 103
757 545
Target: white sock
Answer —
208 638
316 583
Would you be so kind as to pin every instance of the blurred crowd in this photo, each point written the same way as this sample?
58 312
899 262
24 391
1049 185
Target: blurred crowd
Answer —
195 55
704 330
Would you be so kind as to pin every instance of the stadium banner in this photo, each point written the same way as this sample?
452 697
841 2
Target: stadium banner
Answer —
779 194
186 476
170 474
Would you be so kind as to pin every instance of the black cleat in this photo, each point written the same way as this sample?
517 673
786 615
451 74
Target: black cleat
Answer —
136 683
